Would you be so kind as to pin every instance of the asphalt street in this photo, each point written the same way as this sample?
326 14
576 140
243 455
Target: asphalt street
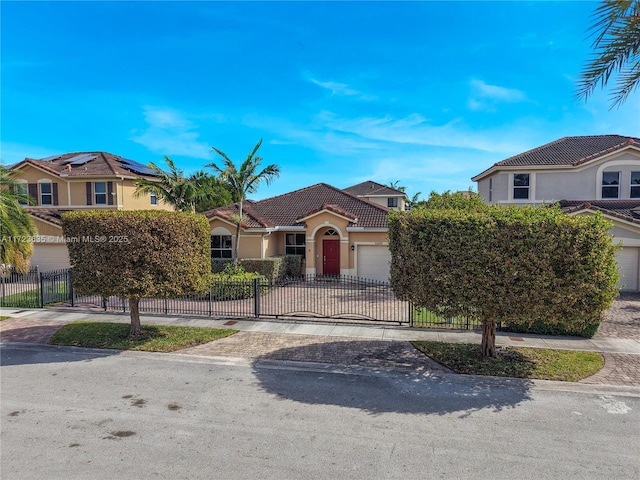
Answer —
75 414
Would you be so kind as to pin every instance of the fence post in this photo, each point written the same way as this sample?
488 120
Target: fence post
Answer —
2 279
166 306
210 296
70 287
41 289
256 297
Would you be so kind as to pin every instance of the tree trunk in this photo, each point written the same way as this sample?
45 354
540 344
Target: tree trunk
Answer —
134 305
489 337
237 243
237 246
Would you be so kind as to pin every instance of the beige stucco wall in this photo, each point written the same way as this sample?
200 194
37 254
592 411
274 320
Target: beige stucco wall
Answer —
72 191
31 174
252 244
571 183
384 201
126 188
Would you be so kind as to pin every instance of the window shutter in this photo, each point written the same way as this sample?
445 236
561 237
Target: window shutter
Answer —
110 193
33 192
54 190
89 202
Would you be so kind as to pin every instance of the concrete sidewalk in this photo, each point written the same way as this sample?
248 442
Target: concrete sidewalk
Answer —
315 341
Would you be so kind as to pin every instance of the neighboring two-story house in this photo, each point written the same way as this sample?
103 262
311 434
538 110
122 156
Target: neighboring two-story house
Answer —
379 194
584 174
77 181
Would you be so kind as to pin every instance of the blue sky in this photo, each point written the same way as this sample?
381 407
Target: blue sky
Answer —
424 93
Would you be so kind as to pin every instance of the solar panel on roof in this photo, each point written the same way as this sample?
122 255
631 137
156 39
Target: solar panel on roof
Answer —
137 167
79 159
48 159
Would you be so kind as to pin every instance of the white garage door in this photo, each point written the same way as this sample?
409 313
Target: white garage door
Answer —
628 265
49 257
373 262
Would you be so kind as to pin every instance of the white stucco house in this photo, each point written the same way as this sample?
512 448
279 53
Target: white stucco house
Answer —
585 174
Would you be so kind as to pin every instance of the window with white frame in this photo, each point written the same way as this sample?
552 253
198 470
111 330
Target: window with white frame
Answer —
154 198
221 246
295 244
46 193
100 193
521 186
392 202
634 192
21 192
610 184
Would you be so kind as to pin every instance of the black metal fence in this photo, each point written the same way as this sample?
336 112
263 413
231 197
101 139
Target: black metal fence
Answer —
35 289
341 297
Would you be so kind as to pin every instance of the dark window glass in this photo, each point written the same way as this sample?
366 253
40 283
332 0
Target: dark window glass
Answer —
392 202
100 193
46 197
21 189
610 184
295 244
521 186
635 185
221 246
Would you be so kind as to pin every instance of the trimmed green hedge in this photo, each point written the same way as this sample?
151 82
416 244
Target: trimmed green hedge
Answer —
236 284
532 269
273 268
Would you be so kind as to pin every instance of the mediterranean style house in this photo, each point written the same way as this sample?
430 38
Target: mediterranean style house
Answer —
585 175
77 181
335 231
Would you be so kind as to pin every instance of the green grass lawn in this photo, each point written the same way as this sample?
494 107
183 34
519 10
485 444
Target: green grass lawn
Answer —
154 338
3 317
519 362
31 298
424 318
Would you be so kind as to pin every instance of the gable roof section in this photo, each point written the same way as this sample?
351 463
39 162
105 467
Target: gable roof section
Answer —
286 210
87 164
567 152
48 215
369 188
628 210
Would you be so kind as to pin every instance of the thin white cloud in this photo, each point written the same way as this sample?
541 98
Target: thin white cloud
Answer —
170 132
417 130
342 89
495 92
486 97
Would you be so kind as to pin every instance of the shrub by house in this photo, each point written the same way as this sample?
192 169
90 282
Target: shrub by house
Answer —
504 264
138 254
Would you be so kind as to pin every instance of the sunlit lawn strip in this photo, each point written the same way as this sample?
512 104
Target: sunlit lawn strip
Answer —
3 317
154 338
518 362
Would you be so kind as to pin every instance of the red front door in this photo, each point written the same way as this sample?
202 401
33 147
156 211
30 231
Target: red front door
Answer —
331 257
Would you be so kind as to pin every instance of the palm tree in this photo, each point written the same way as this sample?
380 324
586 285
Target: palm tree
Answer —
213 192
187 194
616 49
16 226
243 181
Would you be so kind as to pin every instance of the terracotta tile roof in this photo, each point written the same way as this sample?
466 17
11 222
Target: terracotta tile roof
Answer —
97 164
571 150
49 214
287 210
628 210
372 188
567 151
